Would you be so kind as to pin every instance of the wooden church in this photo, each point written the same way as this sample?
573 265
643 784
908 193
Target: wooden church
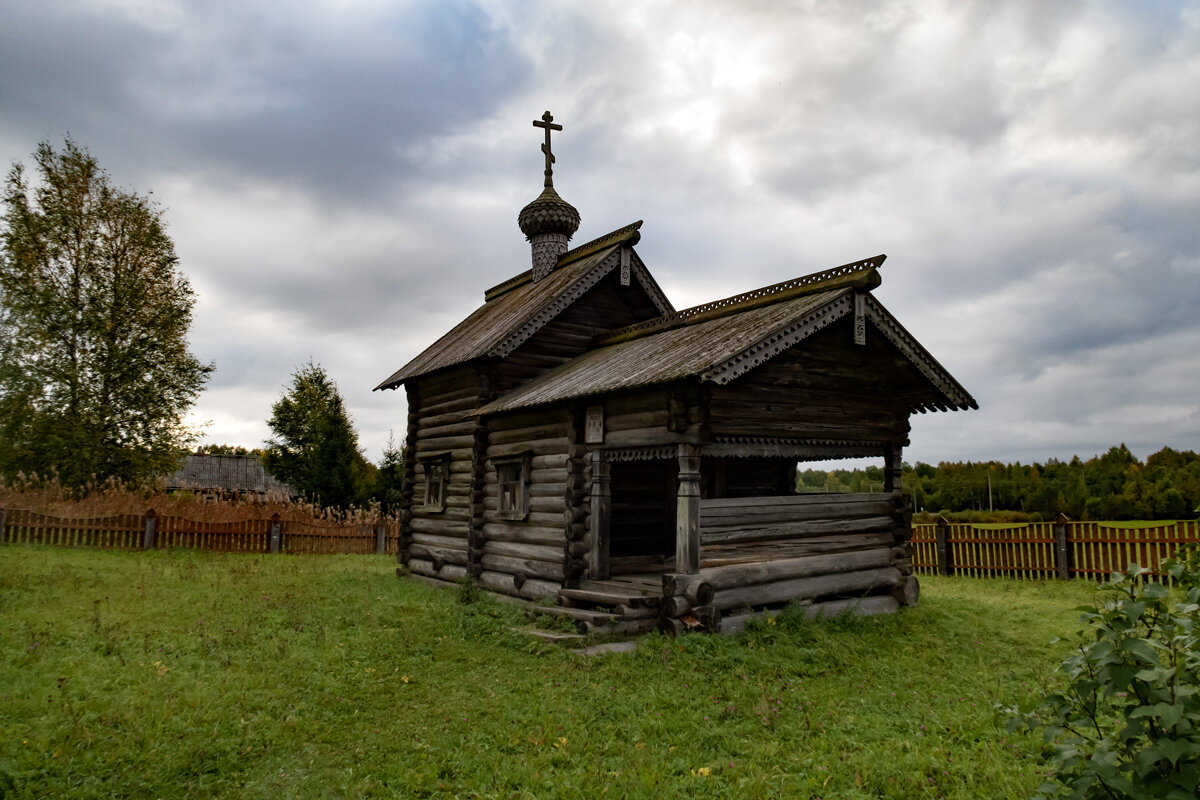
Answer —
578 441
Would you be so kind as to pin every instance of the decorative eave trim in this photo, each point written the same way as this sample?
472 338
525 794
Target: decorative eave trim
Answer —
647 453
556 306
649 285
779 341
920 358
783 447
501 289
628 236
859 275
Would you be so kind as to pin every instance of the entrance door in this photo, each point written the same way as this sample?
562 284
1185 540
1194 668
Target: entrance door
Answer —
642 525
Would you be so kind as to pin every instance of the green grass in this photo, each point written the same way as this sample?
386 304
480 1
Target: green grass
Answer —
191 674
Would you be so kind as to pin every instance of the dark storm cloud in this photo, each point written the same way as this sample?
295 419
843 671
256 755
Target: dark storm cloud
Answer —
343 181
330 103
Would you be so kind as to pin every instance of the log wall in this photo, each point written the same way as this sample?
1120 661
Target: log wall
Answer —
826 388
764 551
437 543
532 556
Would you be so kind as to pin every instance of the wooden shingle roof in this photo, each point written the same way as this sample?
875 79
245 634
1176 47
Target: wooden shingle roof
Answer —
516 309
721 341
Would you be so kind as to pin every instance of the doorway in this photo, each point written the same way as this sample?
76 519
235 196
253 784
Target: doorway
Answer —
642 525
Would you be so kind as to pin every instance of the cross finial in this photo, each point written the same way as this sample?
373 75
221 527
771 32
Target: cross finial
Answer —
547 122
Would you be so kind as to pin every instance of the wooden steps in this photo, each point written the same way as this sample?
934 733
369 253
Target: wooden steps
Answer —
623 604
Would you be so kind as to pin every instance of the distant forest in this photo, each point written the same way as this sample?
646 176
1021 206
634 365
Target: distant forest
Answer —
1113 486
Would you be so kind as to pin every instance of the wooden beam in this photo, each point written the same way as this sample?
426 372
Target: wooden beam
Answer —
687 512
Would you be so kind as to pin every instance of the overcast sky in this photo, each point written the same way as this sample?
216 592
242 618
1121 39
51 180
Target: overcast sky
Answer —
342 179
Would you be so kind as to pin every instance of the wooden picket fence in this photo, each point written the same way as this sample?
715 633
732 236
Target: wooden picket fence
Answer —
151 531
1060 549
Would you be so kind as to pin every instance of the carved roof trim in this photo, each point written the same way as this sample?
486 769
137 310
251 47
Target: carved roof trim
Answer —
926 364
628 236
859 275
646 453
556 306
779 341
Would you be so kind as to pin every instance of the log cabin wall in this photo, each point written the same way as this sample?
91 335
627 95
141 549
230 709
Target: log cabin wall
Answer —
761 551
531 551
442 436
826 388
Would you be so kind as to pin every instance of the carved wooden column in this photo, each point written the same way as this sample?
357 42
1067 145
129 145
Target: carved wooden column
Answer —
600 516
687 512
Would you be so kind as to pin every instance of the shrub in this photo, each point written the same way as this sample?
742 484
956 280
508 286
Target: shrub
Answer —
1124 721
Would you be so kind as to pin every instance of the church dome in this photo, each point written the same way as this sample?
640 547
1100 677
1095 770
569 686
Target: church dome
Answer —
549 213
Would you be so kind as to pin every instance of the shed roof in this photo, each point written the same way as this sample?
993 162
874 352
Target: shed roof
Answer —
517 308
721 341
208 471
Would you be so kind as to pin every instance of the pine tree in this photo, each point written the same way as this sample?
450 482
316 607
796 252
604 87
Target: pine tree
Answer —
315 447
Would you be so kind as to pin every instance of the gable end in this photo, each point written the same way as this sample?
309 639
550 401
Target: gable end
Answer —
919 357
780 341
578 290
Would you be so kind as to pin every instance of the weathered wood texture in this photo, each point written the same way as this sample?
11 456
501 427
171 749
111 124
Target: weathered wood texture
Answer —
798 517
764 551
442 430
538 544
605 307
825 388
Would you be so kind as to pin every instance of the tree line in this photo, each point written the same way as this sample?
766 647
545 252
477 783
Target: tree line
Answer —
1113 486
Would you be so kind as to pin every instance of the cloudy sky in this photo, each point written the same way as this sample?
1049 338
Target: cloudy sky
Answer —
342 179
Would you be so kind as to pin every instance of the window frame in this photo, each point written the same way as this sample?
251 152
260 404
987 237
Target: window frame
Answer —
435 494
519 508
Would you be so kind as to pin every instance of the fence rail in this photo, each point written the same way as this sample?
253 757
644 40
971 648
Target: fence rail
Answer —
1060 549
151 531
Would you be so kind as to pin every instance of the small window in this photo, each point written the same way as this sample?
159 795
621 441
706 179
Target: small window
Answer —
512 475
436 474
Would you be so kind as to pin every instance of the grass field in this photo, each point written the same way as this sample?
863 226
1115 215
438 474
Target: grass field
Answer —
191 674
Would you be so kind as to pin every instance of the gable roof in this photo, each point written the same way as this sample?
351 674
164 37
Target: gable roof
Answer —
723 340
515 310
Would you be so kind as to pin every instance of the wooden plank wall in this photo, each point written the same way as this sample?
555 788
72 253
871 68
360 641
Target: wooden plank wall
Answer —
768 550
437 542
1092 549
129 532
120 532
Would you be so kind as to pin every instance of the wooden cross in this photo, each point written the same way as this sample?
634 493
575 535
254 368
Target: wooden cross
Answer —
548 123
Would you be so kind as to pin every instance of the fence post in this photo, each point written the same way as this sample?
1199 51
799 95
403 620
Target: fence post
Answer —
942 534
1062 549
149 531
276 533
380 538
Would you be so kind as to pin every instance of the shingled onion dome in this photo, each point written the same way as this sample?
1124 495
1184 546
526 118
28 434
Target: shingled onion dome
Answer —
548 223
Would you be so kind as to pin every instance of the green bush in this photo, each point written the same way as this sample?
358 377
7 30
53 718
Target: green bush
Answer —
1124 720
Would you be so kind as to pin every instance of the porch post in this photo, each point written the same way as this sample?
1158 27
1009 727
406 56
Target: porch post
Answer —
892 468
687 512
600 517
